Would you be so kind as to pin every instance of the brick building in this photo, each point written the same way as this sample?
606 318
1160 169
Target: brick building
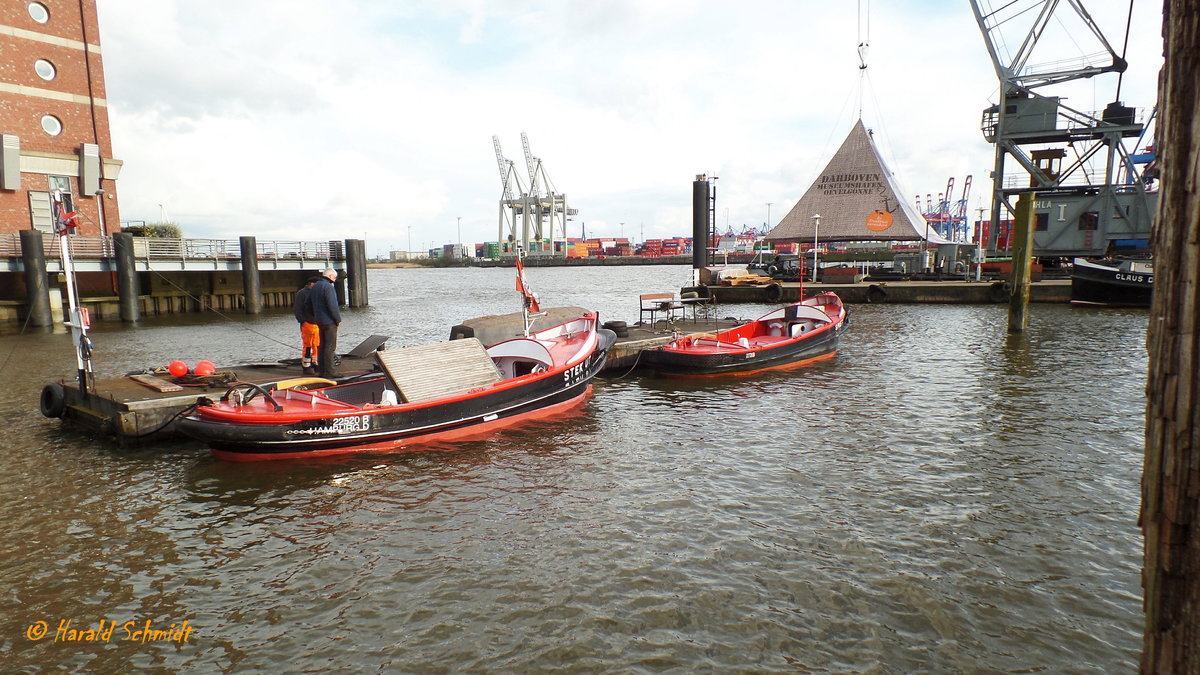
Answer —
54 132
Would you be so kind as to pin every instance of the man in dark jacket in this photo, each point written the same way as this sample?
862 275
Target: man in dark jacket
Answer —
309 332
323 301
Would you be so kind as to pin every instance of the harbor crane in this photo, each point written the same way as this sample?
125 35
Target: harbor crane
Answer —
1082 207
529 217
512 209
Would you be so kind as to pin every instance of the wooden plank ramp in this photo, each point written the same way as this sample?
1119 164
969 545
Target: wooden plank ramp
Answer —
426 372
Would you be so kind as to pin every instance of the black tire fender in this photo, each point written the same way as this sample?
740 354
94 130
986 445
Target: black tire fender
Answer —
1000 291
774 292
54 400
876 293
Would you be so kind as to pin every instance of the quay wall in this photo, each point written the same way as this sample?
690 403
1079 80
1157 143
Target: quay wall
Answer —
188 279
894 292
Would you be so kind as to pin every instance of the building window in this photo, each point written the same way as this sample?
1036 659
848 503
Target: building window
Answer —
45 69
62 185
38 12
1041 222
51 125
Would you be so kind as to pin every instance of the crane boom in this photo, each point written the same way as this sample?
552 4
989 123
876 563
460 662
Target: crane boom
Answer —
531 164
503 164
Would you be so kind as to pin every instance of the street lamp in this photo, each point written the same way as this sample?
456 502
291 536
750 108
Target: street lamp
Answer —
816 230
460 248
769 213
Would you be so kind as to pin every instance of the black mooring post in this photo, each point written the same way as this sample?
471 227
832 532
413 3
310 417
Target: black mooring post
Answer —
251 285
37 289
127 280
356 272
700 222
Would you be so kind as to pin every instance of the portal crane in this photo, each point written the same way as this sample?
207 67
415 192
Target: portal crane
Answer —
1080 207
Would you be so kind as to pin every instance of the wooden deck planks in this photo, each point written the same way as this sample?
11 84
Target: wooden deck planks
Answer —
426 372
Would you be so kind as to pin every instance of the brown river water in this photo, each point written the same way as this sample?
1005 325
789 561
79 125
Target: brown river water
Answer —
940 497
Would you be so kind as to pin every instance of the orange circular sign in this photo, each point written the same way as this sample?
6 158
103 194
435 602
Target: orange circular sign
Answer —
878 221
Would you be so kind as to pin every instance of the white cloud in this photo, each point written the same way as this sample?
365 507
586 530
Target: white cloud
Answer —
308 119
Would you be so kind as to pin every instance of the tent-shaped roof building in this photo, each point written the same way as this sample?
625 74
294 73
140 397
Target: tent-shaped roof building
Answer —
857 199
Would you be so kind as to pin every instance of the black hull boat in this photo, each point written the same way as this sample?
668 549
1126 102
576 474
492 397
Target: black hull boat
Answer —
443 391
1128 283
794 334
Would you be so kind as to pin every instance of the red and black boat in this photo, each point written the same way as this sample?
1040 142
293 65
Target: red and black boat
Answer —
795 333
444 390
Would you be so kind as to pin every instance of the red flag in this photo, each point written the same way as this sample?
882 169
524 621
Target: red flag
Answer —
531 298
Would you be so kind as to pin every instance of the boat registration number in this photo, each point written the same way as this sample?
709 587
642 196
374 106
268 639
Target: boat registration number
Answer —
575 373
339 426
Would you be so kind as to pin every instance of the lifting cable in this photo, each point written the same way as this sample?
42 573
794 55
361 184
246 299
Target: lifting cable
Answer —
1124 47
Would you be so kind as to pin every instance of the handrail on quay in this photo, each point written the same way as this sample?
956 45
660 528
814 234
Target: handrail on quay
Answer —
147 250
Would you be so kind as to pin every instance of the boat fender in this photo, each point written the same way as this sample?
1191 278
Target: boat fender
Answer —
772 270
54 400
774 292
876 293
1000 291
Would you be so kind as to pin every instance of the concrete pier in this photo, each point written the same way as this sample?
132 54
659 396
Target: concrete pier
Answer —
134 412
127 277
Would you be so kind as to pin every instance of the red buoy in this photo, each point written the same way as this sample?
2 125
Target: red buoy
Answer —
177 368
204 368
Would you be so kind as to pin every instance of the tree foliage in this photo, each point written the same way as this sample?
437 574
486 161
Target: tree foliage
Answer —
156 231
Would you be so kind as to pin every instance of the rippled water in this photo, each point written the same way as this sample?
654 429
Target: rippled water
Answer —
939 497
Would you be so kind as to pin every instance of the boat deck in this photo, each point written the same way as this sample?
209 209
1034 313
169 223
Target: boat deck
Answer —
711 345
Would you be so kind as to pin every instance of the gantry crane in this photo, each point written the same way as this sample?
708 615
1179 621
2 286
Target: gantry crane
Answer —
512 209
538 213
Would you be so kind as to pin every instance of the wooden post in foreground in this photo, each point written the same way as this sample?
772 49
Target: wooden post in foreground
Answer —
1022 264
1170 515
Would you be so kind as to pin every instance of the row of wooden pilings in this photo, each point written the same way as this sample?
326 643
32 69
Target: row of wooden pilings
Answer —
352 284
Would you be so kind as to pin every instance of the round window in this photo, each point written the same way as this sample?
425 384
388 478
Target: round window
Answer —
45 69
38 12
51 125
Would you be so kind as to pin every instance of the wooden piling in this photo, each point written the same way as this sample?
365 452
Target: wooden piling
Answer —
1170 513
1022 264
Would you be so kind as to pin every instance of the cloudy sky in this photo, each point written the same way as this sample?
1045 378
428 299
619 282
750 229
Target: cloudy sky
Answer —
308 119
